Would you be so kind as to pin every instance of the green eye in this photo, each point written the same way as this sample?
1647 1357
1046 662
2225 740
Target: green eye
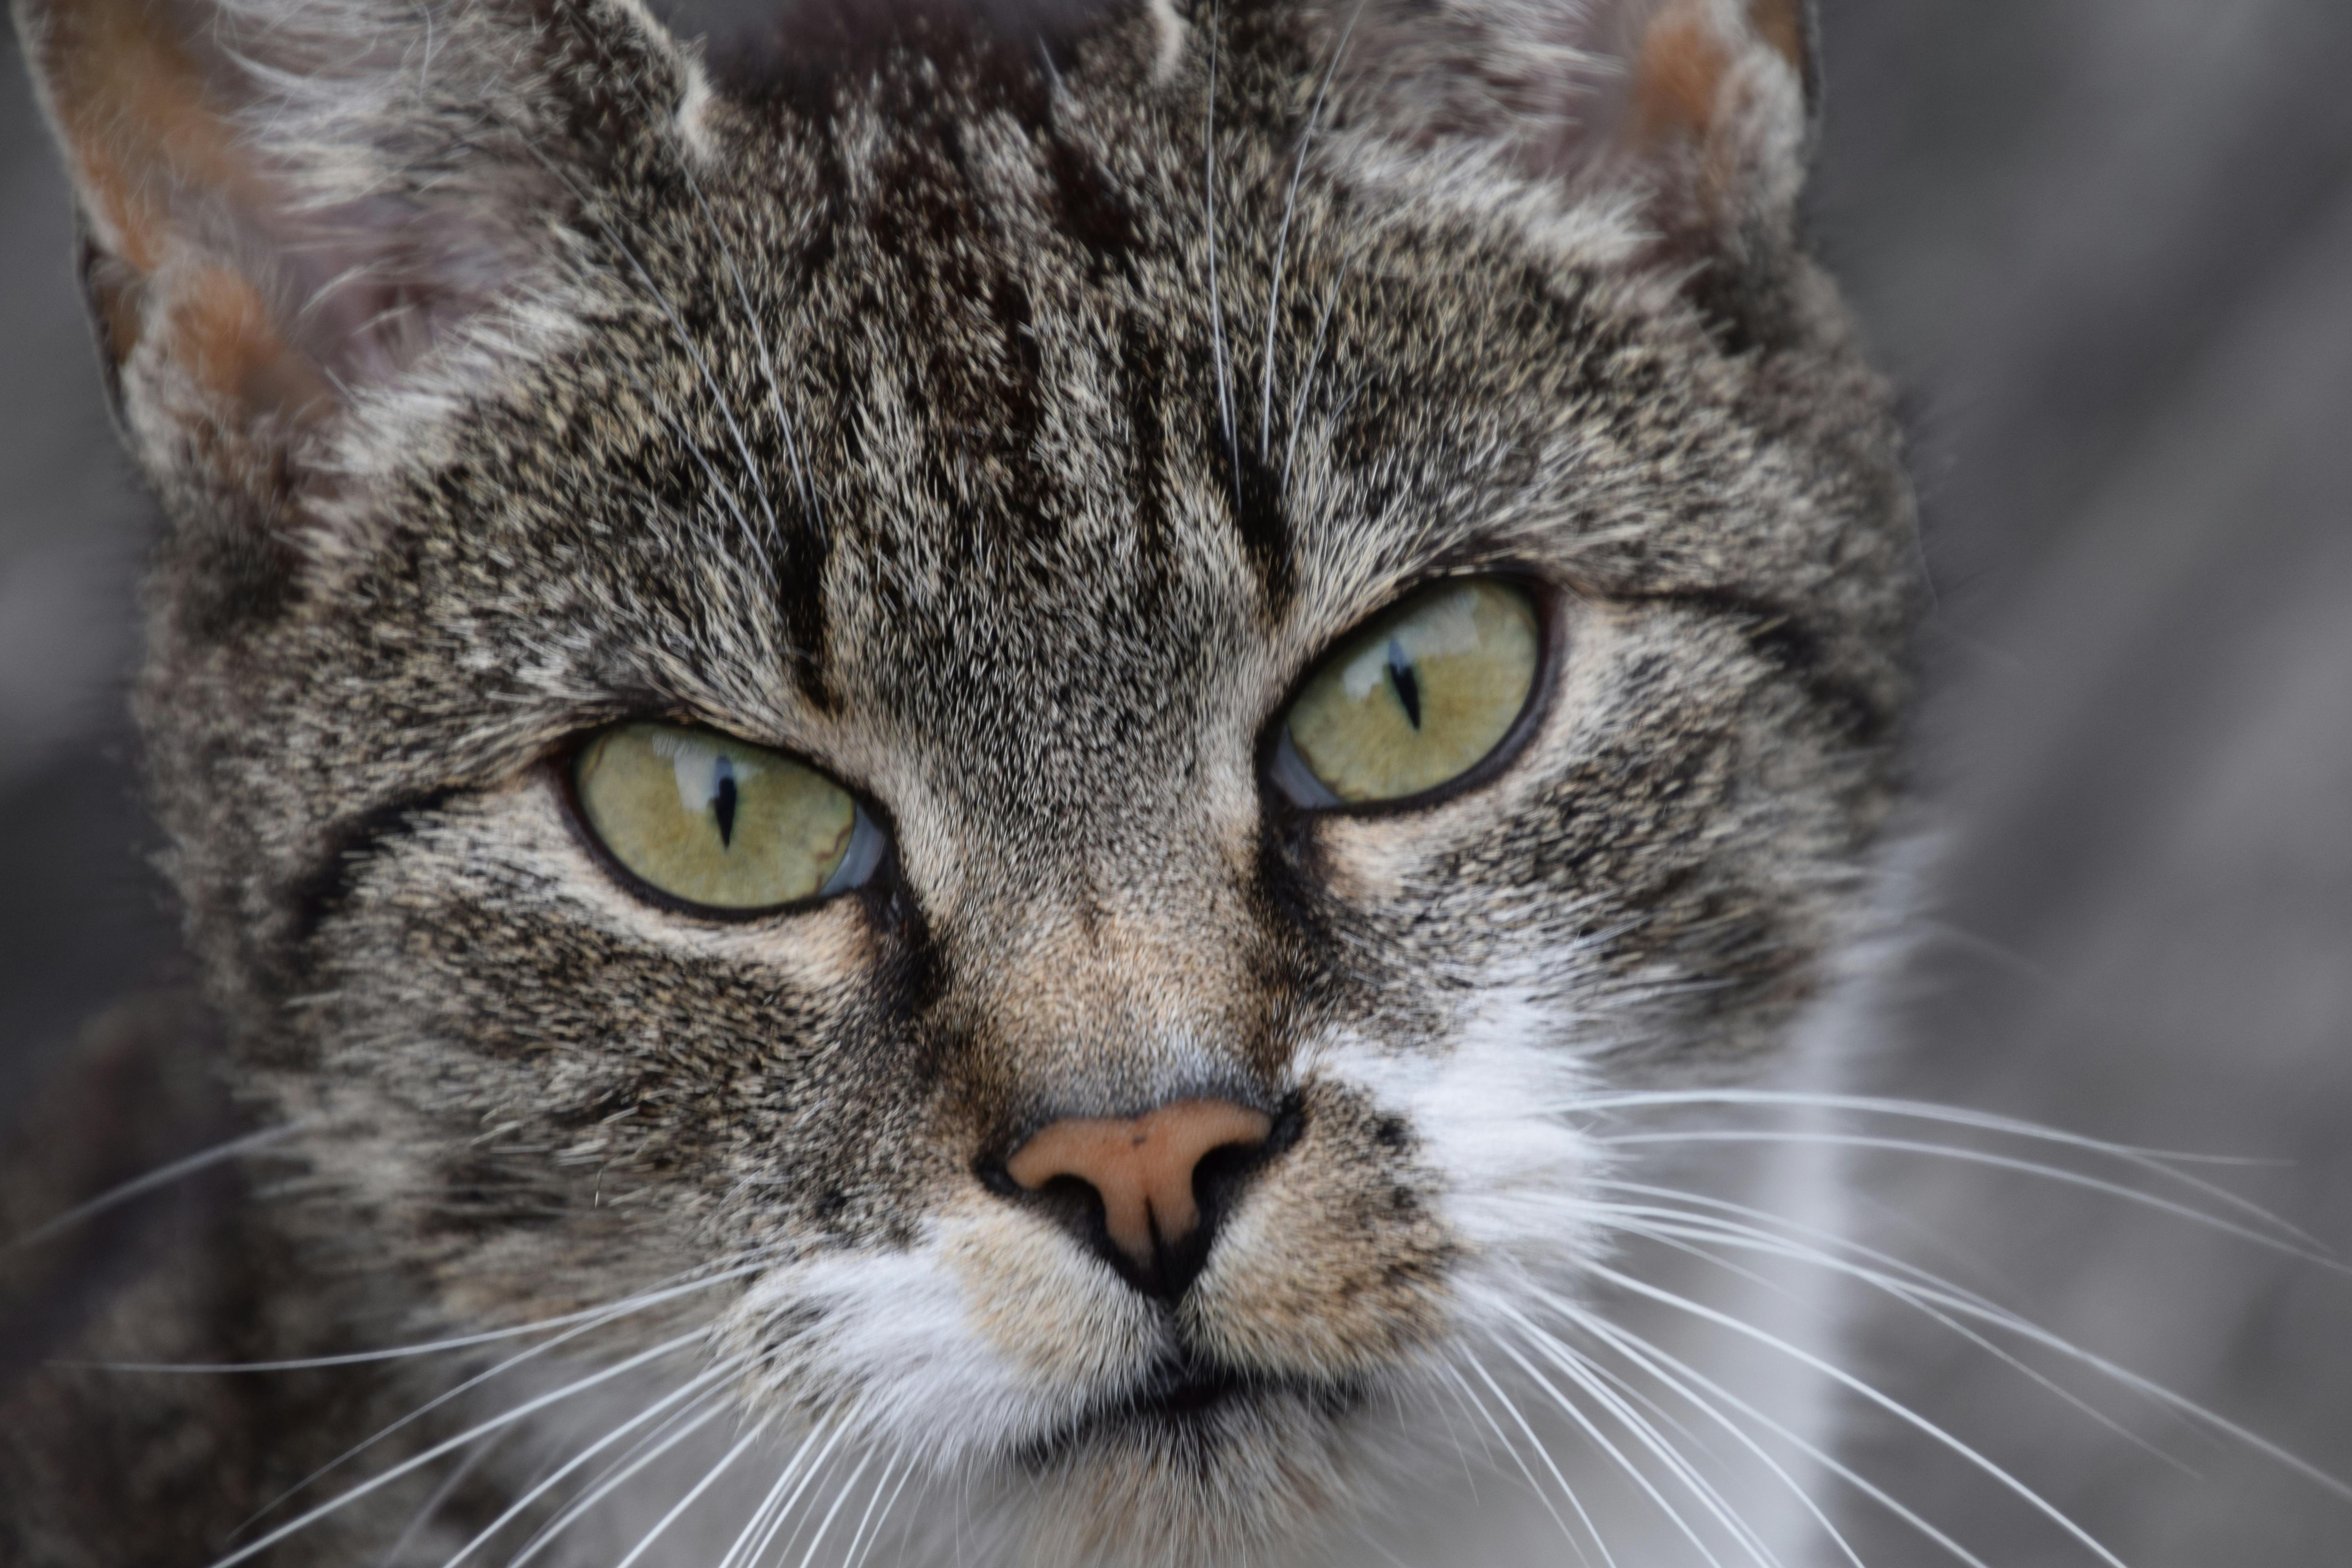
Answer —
1415 700
714 822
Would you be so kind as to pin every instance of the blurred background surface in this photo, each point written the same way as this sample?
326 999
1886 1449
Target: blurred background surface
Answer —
2106 246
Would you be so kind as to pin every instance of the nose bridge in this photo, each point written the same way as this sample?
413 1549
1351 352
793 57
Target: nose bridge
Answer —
1131 987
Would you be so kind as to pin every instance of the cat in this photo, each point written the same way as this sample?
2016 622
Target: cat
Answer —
1059 786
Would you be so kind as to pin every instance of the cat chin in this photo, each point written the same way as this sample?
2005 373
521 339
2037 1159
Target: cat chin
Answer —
1204 1469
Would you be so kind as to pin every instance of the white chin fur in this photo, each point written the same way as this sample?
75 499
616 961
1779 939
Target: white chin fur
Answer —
938 1394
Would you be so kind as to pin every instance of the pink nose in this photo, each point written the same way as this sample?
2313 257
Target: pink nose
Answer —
1142 1167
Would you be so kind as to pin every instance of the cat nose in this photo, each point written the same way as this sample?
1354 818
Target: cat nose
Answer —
1149 1171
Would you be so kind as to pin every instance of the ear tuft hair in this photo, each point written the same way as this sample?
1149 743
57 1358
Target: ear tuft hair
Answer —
287 205
1700 112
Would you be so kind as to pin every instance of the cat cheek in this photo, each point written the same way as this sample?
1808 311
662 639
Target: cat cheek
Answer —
1337 1266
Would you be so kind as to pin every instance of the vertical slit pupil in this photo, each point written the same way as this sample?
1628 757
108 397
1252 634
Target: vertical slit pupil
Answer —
1408 685
722 801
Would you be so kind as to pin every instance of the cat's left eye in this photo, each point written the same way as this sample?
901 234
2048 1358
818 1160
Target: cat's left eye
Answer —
1416 699
718 823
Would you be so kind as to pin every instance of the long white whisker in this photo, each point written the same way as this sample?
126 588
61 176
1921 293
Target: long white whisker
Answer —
626 1307
694 1493
1943 1304
1209 228
760 1515
139 1186
839 1498
433 1504
1548 1345
1591 1429
2056 1173
1568 1491
1684 1237
1895 1407
2157 1162
1282 239
475 1434
1469 1476
1827 1239
1642 1354
782 1514
645 1452
687 1392
859 1543
430 1347
1470 1397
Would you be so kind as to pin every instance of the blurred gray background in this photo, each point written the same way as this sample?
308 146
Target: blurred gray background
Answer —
2106 246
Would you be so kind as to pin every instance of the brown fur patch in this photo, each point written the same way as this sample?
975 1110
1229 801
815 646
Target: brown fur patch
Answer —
132 104
224 333
1678 80
1781 23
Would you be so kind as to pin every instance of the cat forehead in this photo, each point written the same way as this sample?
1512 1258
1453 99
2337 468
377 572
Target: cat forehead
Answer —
1037 357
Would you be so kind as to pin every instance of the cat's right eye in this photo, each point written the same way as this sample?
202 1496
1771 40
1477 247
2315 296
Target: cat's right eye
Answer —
718 823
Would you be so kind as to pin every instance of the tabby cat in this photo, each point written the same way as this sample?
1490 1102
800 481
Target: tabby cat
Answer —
1055 785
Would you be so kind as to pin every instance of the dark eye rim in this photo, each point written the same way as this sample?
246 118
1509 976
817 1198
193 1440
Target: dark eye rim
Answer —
563 766
1550 606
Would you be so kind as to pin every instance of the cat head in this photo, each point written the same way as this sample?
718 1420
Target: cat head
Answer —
768 681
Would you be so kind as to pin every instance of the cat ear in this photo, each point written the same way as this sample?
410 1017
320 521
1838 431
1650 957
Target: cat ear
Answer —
287 205
1698 112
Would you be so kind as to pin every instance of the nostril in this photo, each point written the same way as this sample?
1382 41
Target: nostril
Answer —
1145 1191
1224 1171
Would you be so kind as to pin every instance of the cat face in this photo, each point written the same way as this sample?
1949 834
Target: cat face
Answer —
1001 441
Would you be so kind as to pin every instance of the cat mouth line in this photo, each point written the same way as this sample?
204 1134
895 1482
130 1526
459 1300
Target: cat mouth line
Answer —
1189 1401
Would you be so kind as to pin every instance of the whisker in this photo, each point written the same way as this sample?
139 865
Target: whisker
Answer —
694 1493
1641 1352
1829 1240
859 1546
1544 1454
1469 1476
782 1514
1918 1297
441 1494
1550 1347
626 1307
1942 1303
759 1514
839 1498
1208 229
2057 1174
139 1186
475 1434
1698 1486
1847 1379
1282 239
2157 1162
429 1347
685 1391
